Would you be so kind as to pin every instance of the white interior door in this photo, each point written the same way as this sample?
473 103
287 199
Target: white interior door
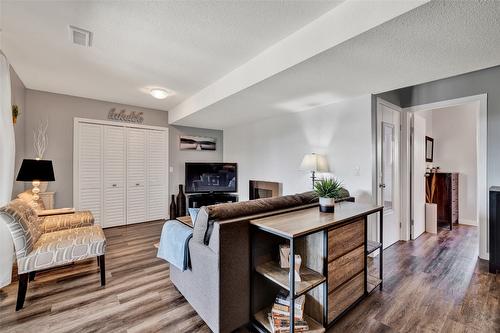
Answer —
114 191
157 184
417 225
136 176
90 177
388 170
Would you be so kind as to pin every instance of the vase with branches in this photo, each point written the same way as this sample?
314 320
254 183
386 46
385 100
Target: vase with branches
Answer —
40 143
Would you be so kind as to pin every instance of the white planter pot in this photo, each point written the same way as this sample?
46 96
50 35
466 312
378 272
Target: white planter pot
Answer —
431 218
327 205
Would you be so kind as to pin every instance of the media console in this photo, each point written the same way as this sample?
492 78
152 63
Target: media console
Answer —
207 199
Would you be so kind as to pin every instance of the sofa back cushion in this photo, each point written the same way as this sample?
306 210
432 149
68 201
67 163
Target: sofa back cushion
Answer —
23 224
229 211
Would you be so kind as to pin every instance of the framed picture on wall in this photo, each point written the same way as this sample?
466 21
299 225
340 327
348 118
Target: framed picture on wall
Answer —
188 142
429 149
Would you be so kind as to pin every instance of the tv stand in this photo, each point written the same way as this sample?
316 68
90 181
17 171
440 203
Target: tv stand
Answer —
207 199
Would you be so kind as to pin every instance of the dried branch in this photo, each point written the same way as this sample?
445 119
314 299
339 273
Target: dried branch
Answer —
40 139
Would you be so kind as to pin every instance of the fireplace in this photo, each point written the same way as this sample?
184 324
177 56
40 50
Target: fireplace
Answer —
259 189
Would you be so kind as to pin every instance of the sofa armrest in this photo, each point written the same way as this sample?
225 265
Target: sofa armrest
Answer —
67 221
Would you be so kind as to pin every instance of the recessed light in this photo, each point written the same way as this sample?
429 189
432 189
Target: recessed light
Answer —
159 93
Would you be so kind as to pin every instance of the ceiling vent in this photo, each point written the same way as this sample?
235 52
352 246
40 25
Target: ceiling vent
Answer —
80 36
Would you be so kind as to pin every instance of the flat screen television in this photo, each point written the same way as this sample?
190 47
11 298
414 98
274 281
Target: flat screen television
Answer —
211 178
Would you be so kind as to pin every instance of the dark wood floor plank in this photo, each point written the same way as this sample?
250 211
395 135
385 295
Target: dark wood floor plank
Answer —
432 284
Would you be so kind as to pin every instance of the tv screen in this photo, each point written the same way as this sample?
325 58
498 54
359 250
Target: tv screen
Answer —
211 177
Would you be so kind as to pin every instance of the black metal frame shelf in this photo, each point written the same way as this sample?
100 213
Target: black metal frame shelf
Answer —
279 276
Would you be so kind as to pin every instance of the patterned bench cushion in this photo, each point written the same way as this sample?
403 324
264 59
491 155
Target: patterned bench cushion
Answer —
67 221
63 247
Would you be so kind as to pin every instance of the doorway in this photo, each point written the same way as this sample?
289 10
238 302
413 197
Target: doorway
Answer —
460 141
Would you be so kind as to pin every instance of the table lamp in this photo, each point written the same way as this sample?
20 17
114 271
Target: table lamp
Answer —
314 163
36 171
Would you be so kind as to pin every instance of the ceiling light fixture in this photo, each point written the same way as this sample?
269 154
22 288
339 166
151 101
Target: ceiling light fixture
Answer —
159 93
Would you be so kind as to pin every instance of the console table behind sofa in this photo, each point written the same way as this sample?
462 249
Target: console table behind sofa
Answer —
334 248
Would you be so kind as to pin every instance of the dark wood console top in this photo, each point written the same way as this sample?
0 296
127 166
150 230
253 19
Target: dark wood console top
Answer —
307 221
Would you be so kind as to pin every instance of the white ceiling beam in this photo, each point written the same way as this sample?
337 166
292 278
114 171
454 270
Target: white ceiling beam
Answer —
344 22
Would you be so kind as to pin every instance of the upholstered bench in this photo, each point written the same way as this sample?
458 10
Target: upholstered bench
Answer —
39 246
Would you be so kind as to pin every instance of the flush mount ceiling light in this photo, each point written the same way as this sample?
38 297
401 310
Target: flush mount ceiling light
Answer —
159 93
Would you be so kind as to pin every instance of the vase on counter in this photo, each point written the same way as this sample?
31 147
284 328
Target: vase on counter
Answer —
181 202
173 208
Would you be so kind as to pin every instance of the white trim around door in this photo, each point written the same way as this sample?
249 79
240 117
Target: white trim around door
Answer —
482 162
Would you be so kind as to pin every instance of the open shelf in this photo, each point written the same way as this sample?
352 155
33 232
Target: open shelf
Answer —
272 271
372 246
262 318
373 282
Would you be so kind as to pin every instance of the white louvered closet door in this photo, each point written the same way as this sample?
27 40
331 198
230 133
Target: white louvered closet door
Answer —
136 175
157 184
114 184
90 169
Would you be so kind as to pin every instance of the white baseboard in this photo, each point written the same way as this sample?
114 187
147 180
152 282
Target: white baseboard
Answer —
468 222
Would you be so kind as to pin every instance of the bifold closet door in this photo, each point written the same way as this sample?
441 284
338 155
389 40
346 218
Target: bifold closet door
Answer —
114 190
157 184
136 175
90 177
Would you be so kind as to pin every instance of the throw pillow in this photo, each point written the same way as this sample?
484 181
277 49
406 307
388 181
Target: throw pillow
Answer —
193 212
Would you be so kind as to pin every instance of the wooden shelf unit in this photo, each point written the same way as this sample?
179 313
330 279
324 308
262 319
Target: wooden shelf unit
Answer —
372 246
373 282
272 271
342 258
262 318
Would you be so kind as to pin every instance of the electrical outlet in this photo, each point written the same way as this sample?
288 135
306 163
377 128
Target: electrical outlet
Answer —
171 169
357 171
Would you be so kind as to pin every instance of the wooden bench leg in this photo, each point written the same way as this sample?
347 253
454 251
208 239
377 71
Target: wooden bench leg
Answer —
21 292
102 268
32 276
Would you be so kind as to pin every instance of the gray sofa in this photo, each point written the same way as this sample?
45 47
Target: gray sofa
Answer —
218 284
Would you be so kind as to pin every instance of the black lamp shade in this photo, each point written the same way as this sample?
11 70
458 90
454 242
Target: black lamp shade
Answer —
36 170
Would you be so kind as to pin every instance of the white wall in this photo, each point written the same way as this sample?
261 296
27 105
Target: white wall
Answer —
455 150
272 149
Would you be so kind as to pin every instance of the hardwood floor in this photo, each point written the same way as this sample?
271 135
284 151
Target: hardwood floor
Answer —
433 284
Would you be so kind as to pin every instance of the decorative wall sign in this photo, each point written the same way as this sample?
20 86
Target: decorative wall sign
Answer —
128 117
196 143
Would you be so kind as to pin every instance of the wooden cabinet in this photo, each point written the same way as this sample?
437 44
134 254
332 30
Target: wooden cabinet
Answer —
335 272
446 197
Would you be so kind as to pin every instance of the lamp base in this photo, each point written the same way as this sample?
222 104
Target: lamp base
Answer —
35 191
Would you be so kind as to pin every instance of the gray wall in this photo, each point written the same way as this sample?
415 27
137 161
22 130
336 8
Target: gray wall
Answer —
18 94
60 110
179 157
475 83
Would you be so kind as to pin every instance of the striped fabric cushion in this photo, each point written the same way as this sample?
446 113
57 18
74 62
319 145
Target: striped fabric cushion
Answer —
23 224
63 247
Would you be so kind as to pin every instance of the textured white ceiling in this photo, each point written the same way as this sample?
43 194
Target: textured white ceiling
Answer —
179 45
434 41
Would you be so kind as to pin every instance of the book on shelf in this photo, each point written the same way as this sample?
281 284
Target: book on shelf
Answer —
283 298
298 326
279 317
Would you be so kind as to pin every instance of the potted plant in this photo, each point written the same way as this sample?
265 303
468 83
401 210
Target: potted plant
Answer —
328 190
15 113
